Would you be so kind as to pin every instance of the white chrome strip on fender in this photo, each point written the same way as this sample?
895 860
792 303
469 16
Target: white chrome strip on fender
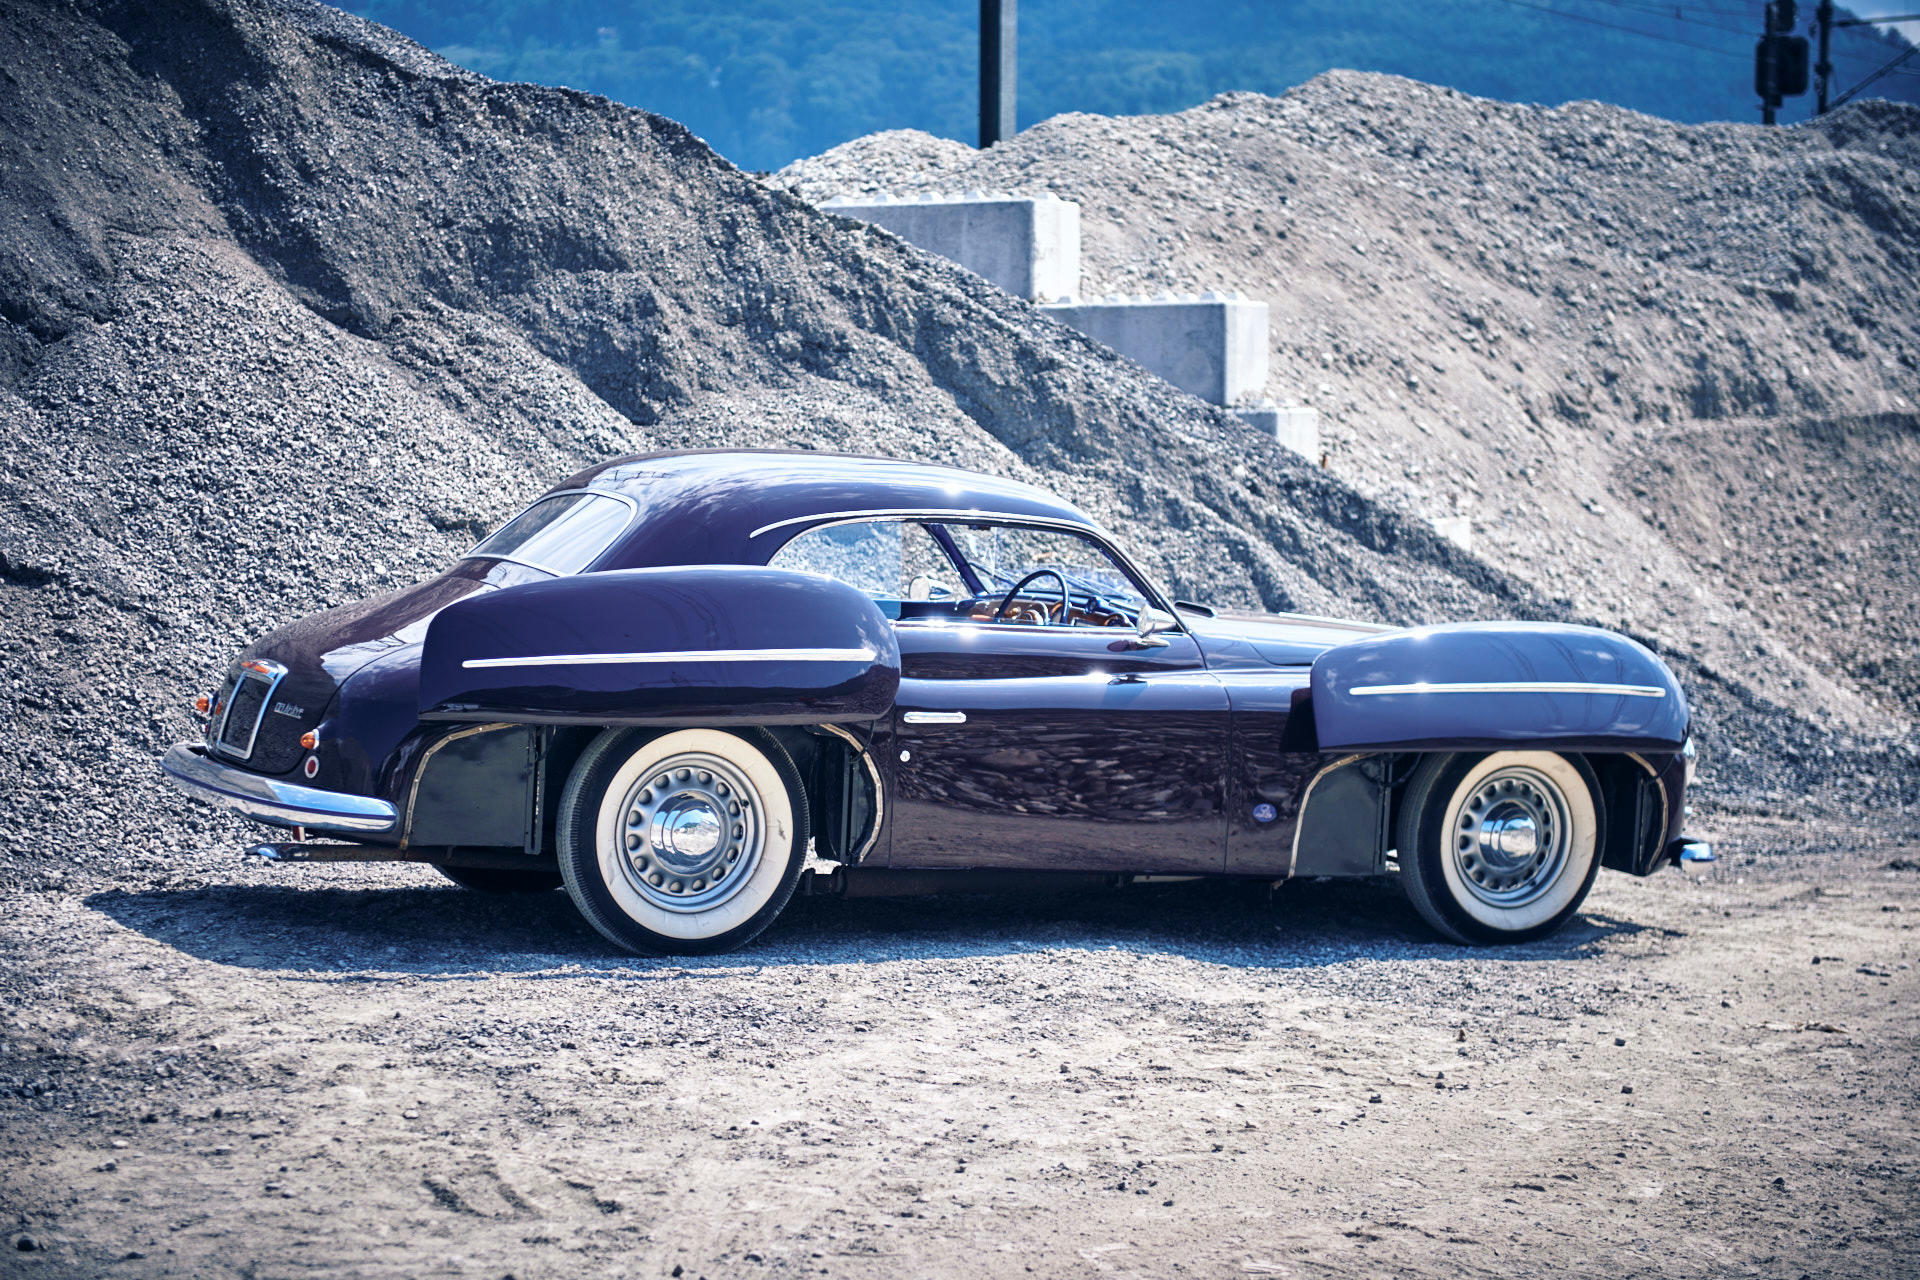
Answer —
676 655
934 717
1514 686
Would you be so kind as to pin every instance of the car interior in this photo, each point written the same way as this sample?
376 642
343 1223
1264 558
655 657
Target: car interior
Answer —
988 573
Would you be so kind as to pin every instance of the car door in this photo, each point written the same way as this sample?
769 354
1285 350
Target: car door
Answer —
1035 745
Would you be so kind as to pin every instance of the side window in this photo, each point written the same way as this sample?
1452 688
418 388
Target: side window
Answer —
1098 592
889 560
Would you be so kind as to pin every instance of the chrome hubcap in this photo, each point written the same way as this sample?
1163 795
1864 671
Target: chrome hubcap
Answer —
692 832
1512 837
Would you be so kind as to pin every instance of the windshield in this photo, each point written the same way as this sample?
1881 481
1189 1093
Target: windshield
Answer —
562 534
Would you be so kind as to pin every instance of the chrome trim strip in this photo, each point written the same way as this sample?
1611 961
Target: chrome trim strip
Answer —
879 790
633 513
1300 817
980 626
269 800
676 655
922 513
1514 686
934 717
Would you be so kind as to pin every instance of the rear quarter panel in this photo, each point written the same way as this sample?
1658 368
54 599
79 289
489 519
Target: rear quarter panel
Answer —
701 645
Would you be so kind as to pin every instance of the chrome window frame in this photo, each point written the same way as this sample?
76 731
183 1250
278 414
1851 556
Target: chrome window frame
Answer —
1149 589
633 514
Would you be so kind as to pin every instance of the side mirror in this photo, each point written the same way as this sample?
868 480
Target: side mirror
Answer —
1153 623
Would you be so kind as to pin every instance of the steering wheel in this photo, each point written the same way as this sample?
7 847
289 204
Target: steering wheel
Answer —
1014 591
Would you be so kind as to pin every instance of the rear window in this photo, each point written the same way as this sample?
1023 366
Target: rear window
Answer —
562 534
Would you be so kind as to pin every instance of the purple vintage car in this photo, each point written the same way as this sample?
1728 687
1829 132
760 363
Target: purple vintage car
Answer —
684 684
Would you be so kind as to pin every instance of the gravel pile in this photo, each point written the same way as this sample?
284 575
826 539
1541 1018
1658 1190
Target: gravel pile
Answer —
291 311
1669 372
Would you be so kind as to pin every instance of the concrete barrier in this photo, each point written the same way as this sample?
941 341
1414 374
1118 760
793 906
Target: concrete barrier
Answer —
1213 346
1028 245
1455 529
1295 426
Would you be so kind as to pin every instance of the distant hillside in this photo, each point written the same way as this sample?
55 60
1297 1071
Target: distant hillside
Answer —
767 81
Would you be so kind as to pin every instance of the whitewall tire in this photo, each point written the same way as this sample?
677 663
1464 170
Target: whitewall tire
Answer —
1501 847
684 842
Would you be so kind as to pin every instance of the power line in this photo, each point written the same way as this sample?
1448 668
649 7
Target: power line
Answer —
1872 22
1669 12
1876 75
1632 31
1673 13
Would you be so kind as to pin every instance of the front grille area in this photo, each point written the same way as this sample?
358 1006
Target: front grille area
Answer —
241 720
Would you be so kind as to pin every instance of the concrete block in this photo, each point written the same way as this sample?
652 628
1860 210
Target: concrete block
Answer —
1213 346
1455 529
1028 245
1295 426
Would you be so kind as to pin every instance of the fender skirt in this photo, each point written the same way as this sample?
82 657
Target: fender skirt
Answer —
1496 685
715 644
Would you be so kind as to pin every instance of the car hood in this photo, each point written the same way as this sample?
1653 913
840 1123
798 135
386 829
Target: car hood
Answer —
1236 638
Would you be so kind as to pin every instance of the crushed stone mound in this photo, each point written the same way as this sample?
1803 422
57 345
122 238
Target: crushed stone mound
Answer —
292 311
1671 373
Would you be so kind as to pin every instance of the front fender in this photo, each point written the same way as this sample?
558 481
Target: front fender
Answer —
1493 685
713 644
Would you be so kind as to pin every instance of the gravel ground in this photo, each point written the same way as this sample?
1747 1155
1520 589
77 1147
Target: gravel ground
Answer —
368 1074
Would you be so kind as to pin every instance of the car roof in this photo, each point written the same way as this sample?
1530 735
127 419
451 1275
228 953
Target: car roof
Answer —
738 506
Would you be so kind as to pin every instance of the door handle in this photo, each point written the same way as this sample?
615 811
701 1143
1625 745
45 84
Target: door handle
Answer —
935 717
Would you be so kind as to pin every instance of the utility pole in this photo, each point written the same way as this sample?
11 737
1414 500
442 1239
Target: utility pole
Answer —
1823 69
999 21
1825 15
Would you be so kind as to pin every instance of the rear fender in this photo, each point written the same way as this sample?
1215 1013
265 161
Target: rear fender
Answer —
716 644
1494 685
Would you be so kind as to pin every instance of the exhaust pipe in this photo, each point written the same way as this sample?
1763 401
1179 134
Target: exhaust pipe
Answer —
281 852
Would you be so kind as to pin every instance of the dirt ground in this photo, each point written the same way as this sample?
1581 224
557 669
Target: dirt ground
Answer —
341 1071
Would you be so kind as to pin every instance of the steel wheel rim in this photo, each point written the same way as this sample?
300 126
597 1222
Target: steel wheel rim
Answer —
1512 835
691 832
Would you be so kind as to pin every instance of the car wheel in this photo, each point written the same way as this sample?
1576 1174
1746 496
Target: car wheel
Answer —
689 842
1501 847
501 879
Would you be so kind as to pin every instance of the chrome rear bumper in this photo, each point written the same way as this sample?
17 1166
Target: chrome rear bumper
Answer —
269 800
